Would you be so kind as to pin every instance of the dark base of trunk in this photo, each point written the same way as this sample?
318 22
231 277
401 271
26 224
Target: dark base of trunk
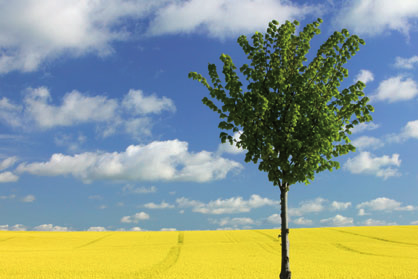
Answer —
286 275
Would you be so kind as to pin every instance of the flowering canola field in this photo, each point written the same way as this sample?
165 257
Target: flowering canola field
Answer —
354 252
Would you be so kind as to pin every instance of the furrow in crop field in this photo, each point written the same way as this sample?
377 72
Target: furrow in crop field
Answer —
5 239
376 238
92 242
346 248
267 235
269 249
170 260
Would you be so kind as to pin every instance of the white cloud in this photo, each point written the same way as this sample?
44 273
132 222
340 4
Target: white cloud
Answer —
364 142
310 206
364 76
32 32
8 176
362 212
338 221
29 198
168 229
18 227
396 89
138 104
96 229
234 222
230 148
136 229
340 205
385 204
226 206
159 160
414 222
409 131
109 115
135 218
225 18
139 190
274 219
303 221
162 205
7 163
50 227
364 127
75 108
406 63
4 227
374 17
372 222
9 197
366 163
10 113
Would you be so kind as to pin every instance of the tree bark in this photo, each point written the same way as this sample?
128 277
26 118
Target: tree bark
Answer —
285 271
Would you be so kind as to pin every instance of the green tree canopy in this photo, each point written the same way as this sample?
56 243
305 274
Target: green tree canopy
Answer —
293 118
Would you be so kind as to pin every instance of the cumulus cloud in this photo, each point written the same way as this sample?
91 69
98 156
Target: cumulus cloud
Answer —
230 148
50 227
338 221
340 205
17 227
409 131
159 160
135 218
4 227
366 163
137 103
9 197
364 127
385 204
372 222
406 63
274 219
396 89
302 221
168 229
364 76
109 115
136 229
139 190
311 206
6 177
32 32
241 222
364 142
7 163
97 229
414 222
374 17
28 198
225 18
362 212
226 206
162 205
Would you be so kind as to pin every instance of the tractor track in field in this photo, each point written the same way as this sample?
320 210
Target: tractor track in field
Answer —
92 241
231 238
348 249
170 259
269 248
377 238
3 240
267 235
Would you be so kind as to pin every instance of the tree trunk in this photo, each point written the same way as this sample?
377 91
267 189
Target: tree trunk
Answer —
285 271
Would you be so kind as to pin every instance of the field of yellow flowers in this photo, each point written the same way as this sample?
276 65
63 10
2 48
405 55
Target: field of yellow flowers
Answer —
354 252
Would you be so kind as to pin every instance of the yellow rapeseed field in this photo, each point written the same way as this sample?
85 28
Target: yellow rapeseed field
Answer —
354 252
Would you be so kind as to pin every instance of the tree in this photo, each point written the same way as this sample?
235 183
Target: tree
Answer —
293 119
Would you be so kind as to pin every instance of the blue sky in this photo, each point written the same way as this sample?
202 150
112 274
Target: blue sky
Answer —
100 128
